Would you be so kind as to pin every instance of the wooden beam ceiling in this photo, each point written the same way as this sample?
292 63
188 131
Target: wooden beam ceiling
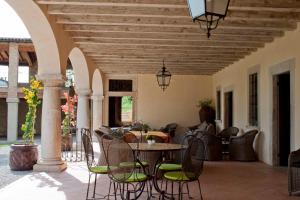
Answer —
133 36
26 53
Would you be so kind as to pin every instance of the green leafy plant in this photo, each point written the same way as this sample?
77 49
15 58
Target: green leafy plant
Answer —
69 111
118 133
149 137
205 103
146 127
32 100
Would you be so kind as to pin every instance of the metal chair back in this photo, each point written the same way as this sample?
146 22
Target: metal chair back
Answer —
193 160
119 152
88 149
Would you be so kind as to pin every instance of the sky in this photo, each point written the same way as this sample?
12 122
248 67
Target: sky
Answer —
11 26
10 23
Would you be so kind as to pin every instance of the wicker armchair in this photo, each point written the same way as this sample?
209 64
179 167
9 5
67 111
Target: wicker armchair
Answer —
294 172
170 129
213 146
241 147
226 133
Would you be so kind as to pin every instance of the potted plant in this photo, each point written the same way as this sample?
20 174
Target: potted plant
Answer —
24 155
68 123
145 128
150 139
207 111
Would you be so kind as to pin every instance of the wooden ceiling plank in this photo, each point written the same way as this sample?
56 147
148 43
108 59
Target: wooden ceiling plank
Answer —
26 57
178 59
168 46
131 49
175 39
169 30
165 54
173 3
166 14
151 22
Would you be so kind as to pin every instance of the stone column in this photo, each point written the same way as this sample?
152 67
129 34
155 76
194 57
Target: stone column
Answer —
12 95
50 158
83 111
97 110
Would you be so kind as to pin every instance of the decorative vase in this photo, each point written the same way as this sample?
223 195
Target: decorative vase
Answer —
66 142
150 141
22 157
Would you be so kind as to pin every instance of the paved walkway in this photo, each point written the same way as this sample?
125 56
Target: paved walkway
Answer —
6 175
220 181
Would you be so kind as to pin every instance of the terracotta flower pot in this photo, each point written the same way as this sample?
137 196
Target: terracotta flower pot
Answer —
66 142
207 114
22 157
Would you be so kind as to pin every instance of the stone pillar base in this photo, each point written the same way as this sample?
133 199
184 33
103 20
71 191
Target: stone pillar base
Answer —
59 166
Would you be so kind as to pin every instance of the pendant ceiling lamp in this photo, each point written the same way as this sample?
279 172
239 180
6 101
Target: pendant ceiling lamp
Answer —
163 77
208 12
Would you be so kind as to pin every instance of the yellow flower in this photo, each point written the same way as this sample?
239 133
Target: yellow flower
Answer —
30 94
35 84
29 101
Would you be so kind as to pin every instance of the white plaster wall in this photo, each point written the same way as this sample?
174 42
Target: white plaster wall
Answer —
177 104
236 77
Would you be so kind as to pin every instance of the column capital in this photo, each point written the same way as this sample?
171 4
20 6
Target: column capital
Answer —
13 44
97 97
51 80
83 91
12 100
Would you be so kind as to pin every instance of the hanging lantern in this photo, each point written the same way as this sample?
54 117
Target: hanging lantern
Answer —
208 12
163 77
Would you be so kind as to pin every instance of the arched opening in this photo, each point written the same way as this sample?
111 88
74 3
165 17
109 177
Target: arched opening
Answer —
80 67
32 56
97 83
97 111
42 35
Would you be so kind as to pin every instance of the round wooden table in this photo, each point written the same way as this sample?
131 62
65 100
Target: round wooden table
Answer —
156 147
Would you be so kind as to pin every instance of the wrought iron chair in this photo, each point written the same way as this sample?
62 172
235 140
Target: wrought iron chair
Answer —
126 177
131 138
167 165
192 167
93 168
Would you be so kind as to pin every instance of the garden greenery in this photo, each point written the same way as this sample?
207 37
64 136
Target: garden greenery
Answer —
32 100
69 111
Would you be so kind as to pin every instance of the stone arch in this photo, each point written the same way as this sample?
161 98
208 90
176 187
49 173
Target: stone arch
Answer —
41 33
81 70
97 87
97 83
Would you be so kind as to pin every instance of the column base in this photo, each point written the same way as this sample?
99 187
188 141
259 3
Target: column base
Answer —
57 166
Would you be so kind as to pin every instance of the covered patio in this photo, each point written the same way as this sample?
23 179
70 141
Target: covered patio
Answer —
247 70
220 180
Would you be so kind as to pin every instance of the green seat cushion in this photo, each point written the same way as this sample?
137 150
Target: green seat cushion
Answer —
176 176
100 169
134 177
131 164
169 167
